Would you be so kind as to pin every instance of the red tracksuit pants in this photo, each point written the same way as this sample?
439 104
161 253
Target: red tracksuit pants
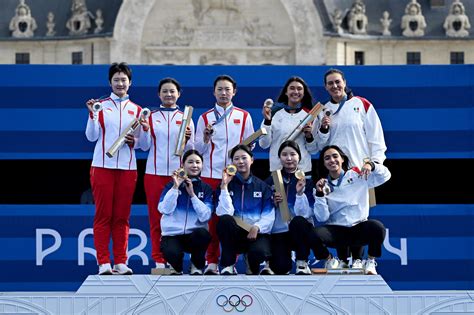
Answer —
154 185
213 251
113 195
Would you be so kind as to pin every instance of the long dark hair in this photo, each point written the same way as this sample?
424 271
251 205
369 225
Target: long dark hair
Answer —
306 102
323 171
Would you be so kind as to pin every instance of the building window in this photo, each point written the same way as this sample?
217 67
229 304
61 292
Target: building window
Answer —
359 58
77 58
457 57
22 58
413 58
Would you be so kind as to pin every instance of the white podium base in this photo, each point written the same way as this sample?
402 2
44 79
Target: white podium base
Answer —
316 294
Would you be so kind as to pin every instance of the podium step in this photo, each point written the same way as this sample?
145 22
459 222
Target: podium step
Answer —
315 294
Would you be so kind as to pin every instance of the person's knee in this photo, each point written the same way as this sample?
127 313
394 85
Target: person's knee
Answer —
225 225
378 230
202 235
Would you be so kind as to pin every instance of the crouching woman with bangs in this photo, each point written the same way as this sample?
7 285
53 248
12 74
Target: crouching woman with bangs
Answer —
186 205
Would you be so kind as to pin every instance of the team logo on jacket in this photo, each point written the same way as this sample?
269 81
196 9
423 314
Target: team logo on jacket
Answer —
200 194
131 112
179 122
236 121
257 194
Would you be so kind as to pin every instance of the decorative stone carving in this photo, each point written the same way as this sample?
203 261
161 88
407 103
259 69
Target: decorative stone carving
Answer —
269 56
168 56
216 12
23 24
357 20
177 33
99 21
336 20
457 22
218 57
386 21
50 25
219 23
80 21
257 33
413 22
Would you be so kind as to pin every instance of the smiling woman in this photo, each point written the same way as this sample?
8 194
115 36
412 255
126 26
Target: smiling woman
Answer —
294 101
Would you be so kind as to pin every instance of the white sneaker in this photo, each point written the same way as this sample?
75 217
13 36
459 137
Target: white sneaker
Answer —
195 271
267 271
332 263
211 269
105 269
302 268
122 269
173 272
369 267
228 271
160 266
357 264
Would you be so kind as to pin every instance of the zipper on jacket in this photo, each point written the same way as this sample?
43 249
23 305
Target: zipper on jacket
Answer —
242 202
186 218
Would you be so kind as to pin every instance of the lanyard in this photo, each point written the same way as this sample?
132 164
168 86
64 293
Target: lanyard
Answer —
341 103
167 109
339 181
220 117
121 99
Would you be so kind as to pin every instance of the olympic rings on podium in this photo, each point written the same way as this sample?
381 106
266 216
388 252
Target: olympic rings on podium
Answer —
234 301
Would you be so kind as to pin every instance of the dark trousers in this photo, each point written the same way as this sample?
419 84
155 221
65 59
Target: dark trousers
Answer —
234 241
281 246
195 243
304 239
370 232
297 239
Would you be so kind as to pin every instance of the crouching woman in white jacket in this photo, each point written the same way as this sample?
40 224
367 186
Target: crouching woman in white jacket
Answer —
342 204
186 205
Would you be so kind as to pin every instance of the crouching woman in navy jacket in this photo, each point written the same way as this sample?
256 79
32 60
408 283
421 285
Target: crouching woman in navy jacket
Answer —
186 205
246 198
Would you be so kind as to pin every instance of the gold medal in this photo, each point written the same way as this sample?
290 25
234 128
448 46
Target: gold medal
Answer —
231 169
181 172
299 174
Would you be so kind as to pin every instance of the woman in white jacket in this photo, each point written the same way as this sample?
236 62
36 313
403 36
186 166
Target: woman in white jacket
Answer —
293 103
342 204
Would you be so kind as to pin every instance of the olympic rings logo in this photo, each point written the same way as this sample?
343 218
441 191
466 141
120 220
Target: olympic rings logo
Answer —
234 301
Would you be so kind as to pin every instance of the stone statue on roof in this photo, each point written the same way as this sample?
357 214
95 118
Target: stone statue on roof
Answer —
80 21
413 22
386 21
336 19
50 25
23 24
357 20
457 23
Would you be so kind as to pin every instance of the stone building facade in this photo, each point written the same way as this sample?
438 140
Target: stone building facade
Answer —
240 32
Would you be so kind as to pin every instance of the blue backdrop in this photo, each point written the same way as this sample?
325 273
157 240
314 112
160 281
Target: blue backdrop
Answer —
426 111
429 247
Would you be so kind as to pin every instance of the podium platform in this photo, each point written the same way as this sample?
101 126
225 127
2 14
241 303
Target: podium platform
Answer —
316 294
